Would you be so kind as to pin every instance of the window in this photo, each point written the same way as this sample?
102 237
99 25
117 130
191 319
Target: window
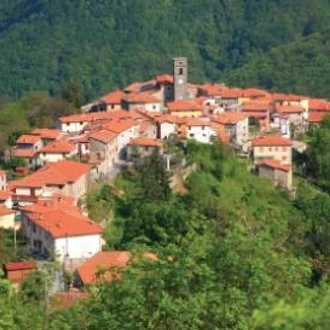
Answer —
191 134
276 148
34 228
154 107
180 70
283 148
270 149
261 149
203 127
284 158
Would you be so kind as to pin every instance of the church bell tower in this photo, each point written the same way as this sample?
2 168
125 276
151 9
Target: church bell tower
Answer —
180 75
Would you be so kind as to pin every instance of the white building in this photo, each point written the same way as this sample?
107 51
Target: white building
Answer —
200 130
56 228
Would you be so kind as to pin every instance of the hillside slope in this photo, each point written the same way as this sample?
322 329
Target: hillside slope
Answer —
106 44
301 67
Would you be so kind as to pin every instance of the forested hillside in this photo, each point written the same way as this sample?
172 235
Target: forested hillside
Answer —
233 252
107 44
299 67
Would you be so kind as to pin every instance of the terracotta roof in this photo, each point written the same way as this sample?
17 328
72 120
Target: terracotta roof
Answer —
23 153
141 98
256 105
316 117
254 92
20 265
146 142
231 93
133 87
56 147
59 173
163 118
271 140
229 118
3 172
119 126
103 135
288 108
212 89
47 133
60 218
5 194
28 139
183 105
104 260
86 117
197 122
113 97
319 105
164 79
275 164
288 97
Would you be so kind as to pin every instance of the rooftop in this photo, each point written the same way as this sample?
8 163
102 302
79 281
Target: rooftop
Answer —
90 271
146 142
184 105
271 140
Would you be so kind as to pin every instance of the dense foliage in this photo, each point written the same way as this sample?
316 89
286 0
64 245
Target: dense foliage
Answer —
301 67
102 45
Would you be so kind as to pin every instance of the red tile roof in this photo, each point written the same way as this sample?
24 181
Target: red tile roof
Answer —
104 260
319 105
113 97
47 133
212 89
229 118
183 105
164 79
133 87
60 173
163 118
316 117
28 139
5 194
275 164
146 142
256 105
119 126
231 93
271 140
254 92
20 265
56 147
197 122
86 117
24 153
141 98
60 218
103 135
289 108
288 97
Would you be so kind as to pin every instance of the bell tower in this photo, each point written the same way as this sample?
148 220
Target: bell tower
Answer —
180 75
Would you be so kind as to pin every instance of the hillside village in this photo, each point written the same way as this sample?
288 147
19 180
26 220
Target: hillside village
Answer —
63 162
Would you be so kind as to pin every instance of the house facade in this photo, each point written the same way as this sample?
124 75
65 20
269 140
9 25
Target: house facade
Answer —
272 147
56 228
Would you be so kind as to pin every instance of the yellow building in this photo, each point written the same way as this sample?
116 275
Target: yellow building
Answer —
185 108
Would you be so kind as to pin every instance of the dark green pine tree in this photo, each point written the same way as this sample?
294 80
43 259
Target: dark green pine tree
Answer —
154 179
